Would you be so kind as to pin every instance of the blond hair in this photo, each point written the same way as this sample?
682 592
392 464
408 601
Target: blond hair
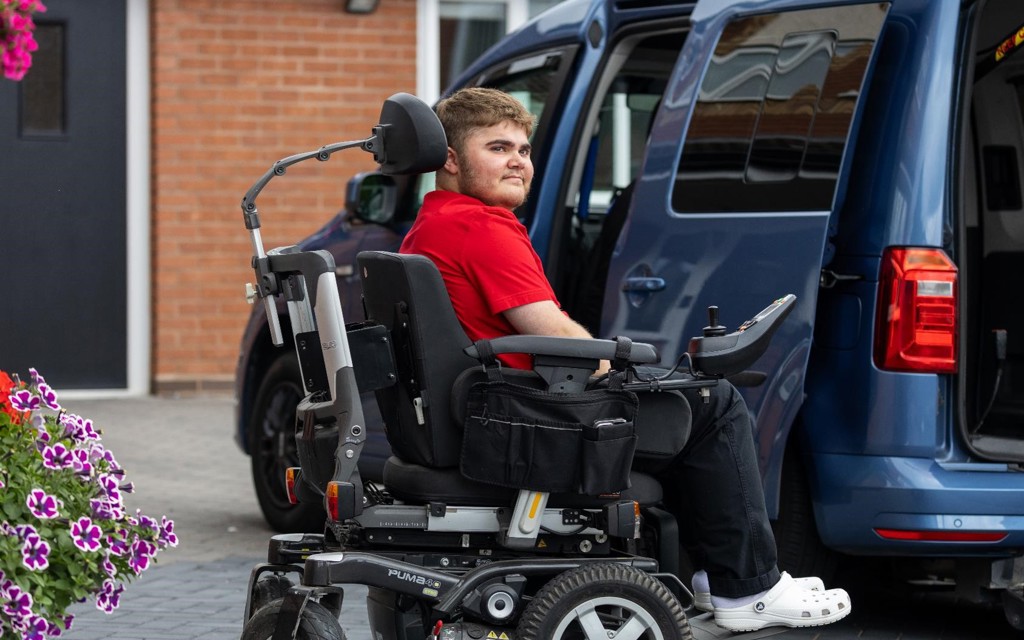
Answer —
478 108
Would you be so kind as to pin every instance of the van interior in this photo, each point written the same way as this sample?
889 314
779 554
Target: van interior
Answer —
992 239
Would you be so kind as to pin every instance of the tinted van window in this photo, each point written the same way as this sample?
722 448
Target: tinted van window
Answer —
773 113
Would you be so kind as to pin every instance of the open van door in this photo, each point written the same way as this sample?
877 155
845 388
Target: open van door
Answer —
740 186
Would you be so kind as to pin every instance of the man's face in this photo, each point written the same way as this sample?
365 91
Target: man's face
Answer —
495 167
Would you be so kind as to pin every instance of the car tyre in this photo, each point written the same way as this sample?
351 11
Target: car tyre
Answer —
801 551
272 448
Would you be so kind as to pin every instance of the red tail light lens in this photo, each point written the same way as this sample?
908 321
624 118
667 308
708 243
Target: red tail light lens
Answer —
917 311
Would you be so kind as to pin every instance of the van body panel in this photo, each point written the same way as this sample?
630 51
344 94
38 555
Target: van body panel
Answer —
903 162
920 495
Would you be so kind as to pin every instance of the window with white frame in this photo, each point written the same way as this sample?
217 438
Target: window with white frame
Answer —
453 33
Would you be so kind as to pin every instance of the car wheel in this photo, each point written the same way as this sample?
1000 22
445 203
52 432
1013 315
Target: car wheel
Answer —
272 448
801 551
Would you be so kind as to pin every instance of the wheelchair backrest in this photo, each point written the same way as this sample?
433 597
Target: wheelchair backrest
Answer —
406 294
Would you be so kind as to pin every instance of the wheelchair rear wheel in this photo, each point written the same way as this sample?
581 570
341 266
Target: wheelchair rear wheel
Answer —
594 602
317 623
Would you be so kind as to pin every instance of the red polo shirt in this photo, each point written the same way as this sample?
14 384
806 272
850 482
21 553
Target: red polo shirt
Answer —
486 260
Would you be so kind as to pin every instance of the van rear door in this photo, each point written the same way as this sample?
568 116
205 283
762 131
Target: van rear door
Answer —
742 174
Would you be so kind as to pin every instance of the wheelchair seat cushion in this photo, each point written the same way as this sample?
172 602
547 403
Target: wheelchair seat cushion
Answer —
418 484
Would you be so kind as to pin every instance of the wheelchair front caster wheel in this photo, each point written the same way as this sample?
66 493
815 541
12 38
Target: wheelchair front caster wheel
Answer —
317 623
596 602
269 588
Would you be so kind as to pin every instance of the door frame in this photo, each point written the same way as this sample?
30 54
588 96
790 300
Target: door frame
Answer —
138 207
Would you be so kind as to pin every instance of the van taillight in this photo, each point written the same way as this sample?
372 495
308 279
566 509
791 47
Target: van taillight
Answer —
917 311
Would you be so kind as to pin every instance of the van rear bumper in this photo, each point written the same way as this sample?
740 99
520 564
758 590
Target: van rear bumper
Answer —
856 497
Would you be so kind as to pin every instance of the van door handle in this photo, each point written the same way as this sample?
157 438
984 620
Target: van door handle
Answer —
643 284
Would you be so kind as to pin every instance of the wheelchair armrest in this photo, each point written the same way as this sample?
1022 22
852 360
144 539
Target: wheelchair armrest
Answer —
585 348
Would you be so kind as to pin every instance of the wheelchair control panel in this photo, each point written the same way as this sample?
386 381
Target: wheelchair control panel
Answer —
717 353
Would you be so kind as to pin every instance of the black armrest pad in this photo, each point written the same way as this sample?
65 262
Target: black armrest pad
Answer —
640 352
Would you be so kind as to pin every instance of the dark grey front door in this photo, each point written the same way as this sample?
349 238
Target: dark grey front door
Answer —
63 209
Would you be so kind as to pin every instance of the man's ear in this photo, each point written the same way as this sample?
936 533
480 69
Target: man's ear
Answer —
451 163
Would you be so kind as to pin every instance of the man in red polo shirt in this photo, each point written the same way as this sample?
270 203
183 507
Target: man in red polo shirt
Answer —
497 286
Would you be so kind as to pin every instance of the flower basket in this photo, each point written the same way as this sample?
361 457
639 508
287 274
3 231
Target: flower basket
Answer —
16 40
65 536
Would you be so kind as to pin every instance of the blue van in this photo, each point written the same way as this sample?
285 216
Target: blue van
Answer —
863 155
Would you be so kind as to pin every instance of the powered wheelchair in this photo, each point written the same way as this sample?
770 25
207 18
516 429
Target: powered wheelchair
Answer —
510 510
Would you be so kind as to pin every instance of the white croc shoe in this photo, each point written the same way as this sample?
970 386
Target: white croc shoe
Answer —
702 599
787 604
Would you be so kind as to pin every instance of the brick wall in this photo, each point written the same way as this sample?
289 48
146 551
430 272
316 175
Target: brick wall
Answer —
238 84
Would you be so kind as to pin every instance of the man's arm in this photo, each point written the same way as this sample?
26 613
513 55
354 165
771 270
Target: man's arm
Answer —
545 319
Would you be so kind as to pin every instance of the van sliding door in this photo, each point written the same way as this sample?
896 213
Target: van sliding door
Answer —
740 181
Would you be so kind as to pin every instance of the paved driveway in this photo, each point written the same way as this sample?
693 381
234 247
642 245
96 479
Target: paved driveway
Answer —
184 463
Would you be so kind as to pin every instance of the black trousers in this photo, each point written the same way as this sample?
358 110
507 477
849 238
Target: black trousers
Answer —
713 487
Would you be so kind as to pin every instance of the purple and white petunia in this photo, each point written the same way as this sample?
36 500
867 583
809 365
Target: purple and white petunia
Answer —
19 603
80 462
37 378
77 428
47 396
140 554
25 530
147 522
109 597
85 534
55 629
103 509
56 457
97 453
35 553
34 627
108 566
167 536
117 544
25 400
42 505
109 485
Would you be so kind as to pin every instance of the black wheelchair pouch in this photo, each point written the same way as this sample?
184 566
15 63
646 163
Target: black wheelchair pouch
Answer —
524 438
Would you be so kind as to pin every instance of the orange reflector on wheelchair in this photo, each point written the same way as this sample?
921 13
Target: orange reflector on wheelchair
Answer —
289 482
332 500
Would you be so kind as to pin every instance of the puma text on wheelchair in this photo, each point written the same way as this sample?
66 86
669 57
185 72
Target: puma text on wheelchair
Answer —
510 509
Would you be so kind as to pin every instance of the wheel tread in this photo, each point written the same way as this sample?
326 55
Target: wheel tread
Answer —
570 583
